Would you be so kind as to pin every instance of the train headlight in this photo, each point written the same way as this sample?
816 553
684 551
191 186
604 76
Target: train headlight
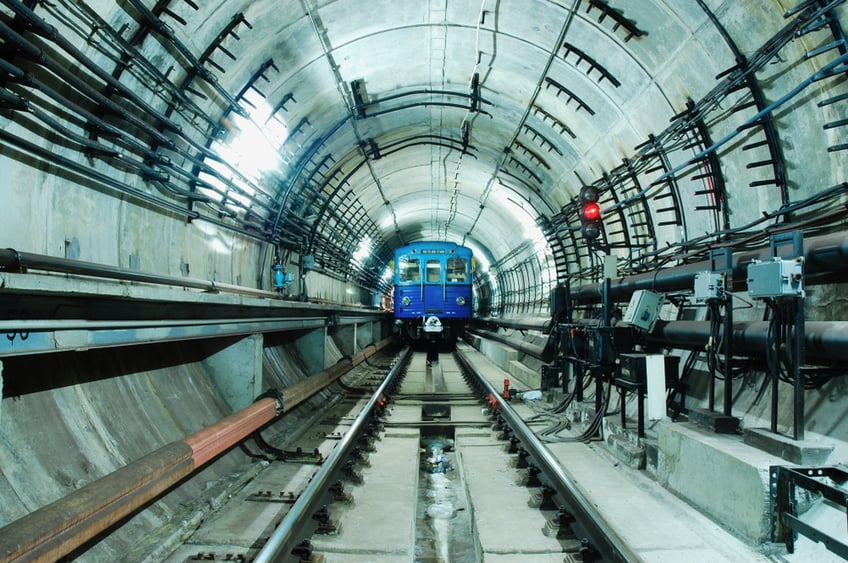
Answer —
460 301
406 301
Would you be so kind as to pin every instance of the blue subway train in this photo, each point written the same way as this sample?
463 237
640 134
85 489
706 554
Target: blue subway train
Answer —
432 290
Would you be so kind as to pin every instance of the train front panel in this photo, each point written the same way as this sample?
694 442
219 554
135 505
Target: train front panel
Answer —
432 287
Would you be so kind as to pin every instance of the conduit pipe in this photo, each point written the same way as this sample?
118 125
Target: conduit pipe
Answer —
14 260
825 342
825 259
55 530
36 54
47 31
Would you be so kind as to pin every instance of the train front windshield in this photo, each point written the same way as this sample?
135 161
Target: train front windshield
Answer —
457 270
409 269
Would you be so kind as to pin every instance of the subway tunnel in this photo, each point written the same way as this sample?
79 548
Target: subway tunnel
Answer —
161 161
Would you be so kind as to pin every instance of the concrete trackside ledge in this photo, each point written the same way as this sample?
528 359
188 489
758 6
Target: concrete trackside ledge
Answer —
718 473
500 354
651 520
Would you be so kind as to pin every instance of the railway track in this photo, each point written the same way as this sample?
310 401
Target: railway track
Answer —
422 469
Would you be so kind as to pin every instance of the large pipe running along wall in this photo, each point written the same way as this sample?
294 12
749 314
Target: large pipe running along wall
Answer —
825 257
55 530
824 341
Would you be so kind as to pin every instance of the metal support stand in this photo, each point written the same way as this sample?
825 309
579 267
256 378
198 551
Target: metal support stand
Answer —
786 524
790 245
721 260
579 373
797 376
721 309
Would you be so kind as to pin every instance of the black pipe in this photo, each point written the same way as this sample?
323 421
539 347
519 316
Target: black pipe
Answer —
18 261
197 67
131 53
109 130
43 29
35 54
824 257
825 342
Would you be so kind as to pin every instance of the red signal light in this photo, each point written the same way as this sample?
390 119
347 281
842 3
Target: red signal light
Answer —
591 212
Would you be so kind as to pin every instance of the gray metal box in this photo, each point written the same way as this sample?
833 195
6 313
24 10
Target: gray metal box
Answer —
708 285
643 309
776 278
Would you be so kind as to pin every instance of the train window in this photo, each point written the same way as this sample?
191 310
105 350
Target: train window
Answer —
434 271
409 269
457 270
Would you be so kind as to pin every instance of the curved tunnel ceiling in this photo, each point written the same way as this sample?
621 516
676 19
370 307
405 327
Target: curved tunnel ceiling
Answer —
382 123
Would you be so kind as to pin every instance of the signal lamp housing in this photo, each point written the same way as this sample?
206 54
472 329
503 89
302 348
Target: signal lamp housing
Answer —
590 213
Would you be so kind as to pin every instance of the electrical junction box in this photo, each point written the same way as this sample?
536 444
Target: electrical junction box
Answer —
709 285
776 278
634 368
643 309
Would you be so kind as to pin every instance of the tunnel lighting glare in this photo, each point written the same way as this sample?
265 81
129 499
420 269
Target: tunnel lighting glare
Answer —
363 252
387 275
251 145
249 150
482 261
207 229
218 246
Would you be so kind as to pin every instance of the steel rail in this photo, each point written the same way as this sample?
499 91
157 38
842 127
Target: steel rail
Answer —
601 536
290 528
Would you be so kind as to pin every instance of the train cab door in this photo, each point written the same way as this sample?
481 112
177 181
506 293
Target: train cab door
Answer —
433 288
